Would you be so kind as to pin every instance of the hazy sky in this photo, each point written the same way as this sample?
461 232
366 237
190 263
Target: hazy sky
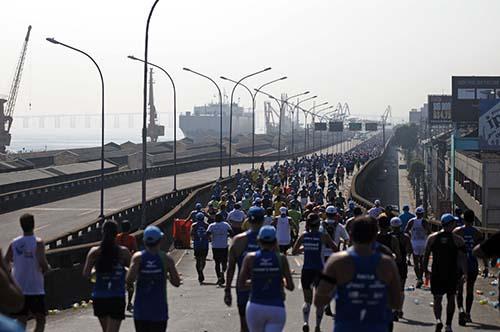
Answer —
369 53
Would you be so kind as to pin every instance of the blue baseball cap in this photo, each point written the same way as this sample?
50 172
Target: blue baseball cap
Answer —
406 207
200 216
198 206
267 234
152 235
447 218
256 214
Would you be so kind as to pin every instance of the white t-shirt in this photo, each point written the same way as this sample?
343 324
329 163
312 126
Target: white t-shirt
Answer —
268 220
26 271
236 216
283 231
219 232
340 233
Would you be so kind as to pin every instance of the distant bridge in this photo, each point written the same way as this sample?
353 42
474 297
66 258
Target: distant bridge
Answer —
113 120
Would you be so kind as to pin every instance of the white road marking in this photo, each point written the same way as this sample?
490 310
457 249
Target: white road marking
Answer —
88 212
41 227
180 259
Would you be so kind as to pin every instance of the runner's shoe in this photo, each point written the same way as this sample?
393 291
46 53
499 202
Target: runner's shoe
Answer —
439 326
462 318
305 327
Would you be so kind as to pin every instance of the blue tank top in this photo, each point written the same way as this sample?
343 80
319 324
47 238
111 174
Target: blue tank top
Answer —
200 238
267 279
313 258
252 246
472 262
151 289
110 284
362 302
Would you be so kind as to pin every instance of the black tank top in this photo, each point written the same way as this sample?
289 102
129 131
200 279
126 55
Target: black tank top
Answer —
444 256
386 240
402 247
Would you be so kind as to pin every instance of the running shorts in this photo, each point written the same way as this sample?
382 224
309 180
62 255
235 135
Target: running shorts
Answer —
200 253
113 307
309 278
220 254
33 305
442 287
265 317
418 247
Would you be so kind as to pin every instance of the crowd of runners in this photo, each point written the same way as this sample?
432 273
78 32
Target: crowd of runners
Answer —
355 258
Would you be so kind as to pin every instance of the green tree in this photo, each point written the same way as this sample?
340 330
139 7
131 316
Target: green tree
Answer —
406 136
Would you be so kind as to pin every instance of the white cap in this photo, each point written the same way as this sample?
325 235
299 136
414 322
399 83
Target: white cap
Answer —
420 210
331 209
396 222
283 209
377 202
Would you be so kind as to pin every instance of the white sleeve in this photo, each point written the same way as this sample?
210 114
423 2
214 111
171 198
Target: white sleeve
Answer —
344 234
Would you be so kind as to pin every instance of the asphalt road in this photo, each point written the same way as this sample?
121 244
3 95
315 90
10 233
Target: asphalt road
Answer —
64 215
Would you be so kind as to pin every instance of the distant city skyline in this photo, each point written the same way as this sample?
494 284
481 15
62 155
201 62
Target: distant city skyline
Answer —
370 54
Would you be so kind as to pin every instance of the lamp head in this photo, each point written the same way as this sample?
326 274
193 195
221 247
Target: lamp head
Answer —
224 78
283 78
186 69
268 68
52 40
307 92
131 57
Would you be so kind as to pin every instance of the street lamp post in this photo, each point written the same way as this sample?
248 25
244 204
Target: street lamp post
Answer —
220 105
175 114
231 113
254 97
281 103
313 116
321 119
53 41
294 108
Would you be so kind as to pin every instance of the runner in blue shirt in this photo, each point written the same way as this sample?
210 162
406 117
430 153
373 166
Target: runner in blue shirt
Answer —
312 242
367 283
151 268
200 244
242 244
266 272
405 216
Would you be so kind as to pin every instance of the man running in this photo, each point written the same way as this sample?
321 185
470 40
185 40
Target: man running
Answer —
236 217
200 244
367 283
26 253
152 268
448 258
472 237
218 233
241 245
265 272
405 250
335 229
313 242
283 228
406 216
419 229
128 241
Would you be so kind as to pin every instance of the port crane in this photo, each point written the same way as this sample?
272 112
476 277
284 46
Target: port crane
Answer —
154 129
7 111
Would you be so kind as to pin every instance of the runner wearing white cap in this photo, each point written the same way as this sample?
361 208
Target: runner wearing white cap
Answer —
282 224
419 229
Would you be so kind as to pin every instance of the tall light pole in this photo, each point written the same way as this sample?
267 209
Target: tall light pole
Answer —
313 116
296 107
53 41
175 113
221 147
321 119
281 103
231 113
254 96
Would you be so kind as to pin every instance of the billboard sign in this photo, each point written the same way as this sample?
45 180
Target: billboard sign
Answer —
336 126
371 126
467 91
355 126
439 109
489 125
320 126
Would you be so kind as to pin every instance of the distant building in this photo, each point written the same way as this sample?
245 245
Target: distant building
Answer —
477 185
415 117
